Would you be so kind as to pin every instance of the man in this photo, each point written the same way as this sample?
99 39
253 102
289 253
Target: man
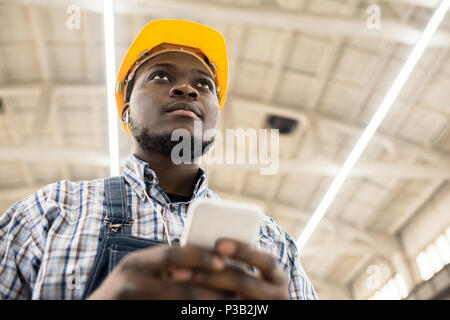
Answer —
107 238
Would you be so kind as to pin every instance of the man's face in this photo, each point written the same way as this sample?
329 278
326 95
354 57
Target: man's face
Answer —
168 82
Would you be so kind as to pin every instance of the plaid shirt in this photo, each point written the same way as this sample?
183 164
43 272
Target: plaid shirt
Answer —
49 240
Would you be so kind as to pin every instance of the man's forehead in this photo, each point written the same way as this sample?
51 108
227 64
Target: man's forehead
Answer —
177 61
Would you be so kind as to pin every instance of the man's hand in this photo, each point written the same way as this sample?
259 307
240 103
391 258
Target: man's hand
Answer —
194 273
161 273
271 284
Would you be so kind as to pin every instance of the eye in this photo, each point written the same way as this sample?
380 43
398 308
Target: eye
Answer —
206 84
159 76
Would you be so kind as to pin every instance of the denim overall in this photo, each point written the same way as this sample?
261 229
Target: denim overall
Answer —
116 240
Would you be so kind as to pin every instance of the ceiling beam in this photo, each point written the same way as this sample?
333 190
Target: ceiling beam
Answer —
349 239
377 69
264 17
279 59
56 126
89 52
356 269
401 115
314 167
418 3
51 155
235 41
42 114
415 206
324 26
390 143
13 90
15 194
340 248
374 243
334 55
20 89
46 107
329 291
282 48
426 81
35 26
330 169
368 241
17 140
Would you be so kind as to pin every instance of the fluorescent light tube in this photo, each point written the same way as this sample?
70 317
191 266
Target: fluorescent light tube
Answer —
110 67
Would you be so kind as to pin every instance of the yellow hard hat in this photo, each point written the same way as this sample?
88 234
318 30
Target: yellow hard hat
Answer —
158 36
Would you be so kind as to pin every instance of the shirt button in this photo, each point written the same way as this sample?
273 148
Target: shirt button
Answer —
172 207
176 241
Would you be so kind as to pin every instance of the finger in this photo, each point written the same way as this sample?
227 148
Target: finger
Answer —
158 259
266 263
182 274
238 282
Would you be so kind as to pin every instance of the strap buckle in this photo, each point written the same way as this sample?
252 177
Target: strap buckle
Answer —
114 227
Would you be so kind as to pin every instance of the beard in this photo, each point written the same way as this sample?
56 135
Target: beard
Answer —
163 143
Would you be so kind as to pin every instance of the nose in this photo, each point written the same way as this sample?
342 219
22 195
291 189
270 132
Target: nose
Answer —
184 90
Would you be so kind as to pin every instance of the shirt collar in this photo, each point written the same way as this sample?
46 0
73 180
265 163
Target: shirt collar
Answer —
139 175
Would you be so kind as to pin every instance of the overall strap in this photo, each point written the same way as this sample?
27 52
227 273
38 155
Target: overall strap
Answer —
118 219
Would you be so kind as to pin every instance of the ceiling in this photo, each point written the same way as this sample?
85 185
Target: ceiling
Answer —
313 61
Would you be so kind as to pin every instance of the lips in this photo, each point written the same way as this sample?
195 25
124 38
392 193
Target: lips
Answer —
183 108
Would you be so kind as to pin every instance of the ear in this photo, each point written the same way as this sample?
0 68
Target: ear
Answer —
125 110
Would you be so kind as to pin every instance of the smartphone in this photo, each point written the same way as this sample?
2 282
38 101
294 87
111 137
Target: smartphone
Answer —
208 220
